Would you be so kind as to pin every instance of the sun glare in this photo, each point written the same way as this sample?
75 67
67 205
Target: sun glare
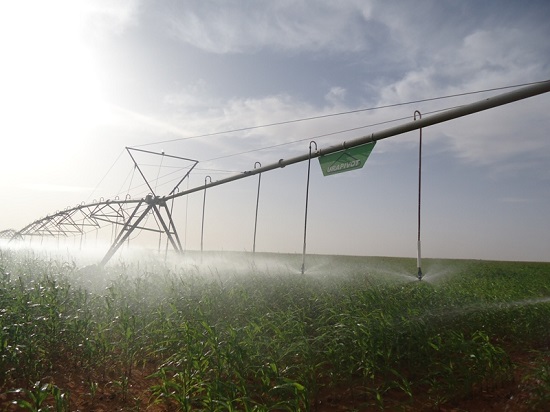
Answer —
50 93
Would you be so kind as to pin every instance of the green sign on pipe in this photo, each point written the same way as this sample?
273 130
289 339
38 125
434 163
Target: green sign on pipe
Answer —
344 160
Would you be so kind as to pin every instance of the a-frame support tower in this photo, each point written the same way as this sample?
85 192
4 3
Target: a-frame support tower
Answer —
150 204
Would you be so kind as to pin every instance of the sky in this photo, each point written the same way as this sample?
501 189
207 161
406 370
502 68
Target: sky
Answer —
81 80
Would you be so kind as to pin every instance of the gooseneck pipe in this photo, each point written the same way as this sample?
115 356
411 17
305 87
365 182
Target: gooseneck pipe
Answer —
418 254
307 199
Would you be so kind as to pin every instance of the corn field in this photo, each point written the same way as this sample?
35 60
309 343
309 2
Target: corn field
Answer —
351 334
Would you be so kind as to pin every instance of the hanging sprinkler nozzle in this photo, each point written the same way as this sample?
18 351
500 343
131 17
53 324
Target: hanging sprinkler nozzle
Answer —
419 275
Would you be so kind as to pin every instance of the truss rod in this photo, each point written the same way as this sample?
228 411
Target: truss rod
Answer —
126 231
167 231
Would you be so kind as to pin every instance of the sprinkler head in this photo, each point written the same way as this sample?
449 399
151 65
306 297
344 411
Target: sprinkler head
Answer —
419 275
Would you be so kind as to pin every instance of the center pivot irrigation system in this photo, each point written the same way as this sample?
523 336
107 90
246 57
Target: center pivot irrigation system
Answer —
127 215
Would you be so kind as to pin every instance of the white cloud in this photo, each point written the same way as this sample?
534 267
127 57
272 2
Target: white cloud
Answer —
239 113
194 96
105 16
480 59
336 95
283 25
512 135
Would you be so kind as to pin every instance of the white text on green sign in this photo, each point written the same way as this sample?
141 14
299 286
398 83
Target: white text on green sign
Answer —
344 160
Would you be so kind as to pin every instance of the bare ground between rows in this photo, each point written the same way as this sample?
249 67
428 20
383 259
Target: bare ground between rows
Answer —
513 396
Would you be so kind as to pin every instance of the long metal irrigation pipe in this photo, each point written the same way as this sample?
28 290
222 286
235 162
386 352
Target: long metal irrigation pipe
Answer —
479 106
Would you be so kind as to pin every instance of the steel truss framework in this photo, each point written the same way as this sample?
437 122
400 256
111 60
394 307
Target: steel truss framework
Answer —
123 215
9 234
128 215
